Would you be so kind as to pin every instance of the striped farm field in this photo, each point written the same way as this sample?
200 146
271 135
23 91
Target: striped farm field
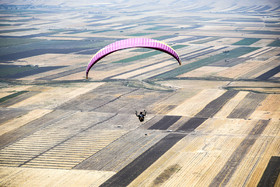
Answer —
72 93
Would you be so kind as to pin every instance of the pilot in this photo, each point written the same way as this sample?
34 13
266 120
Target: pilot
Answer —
141 115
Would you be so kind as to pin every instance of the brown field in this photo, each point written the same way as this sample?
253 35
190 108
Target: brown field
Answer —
213 121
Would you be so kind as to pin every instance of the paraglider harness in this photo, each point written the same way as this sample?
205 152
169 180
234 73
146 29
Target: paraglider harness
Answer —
141 115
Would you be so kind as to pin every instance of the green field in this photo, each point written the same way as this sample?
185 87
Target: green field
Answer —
276 43
12 96
7 42
6 70
246 41
158 27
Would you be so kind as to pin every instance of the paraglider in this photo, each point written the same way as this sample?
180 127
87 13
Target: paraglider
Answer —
132 43
141 116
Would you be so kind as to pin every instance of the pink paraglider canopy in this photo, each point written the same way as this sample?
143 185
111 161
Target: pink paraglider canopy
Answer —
131 43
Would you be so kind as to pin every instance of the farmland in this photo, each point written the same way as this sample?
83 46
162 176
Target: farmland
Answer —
213 121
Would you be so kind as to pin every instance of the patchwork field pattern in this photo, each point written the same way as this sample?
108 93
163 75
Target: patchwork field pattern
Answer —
213 121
